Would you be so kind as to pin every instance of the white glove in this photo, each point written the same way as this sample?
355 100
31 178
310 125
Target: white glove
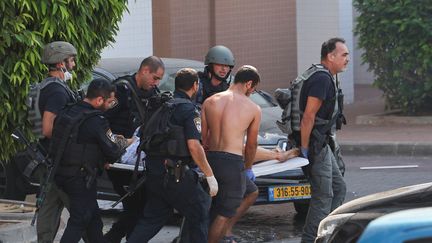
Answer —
213 185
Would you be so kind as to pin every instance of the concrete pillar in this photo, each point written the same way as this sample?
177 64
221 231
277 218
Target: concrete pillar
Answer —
318 21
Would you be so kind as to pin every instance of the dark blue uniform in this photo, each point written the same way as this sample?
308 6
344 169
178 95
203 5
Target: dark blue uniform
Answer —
124 118
164 193
91 145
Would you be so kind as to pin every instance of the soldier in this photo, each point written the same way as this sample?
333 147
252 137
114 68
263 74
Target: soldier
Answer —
133 108
54 94
171 181
318 102
84 142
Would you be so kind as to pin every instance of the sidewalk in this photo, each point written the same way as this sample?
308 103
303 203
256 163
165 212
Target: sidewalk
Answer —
369 133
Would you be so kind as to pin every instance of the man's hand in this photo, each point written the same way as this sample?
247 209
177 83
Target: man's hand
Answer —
304 152
213 185
250 174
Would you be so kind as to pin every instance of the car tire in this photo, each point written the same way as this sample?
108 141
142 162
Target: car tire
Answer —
12 186
301 207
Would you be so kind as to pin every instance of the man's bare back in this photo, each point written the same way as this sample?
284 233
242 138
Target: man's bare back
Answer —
228 116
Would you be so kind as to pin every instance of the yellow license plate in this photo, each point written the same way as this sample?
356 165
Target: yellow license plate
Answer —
289 192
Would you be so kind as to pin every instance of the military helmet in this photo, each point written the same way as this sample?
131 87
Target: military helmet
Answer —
220 55
57 51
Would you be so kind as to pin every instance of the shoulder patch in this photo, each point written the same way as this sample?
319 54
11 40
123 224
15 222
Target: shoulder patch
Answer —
197 122
110 135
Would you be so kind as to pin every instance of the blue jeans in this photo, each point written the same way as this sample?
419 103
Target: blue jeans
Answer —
84 210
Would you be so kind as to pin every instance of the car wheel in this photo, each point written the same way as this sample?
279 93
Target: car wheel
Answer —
301 207
11 183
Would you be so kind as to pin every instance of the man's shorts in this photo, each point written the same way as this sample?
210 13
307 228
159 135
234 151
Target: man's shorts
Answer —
233 184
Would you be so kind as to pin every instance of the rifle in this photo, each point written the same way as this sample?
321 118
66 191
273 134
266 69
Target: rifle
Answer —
131 189
33 151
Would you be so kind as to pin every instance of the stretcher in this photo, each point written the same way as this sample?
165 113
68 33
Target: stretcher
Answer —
267 167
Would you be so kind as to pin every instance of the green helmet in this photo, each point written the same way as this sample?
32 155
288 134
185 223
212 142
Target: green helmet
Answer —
57 51
220 55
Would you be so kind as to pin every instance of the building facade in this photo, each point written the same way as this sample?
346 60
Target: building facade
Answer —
281 38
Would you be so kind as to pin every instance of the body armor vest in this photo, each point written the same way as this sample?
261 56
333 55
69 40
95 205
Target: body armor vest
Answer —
75 156
34 113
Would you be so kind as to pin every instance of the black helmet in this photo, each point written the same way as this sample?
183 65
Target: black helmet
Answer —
220 55
57 51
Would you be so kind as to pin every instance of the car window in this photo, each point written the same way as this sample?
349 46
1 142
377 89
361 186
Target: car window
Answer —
167 82
258 99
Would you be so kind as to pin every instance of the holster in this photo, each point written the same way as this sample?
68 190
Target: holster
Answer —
176 169
90 175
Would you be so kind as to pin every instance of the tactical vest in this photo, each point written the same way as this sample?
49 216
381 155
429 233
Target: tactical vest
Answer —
161 137
34 113
135 112
75 156
289 100
206 89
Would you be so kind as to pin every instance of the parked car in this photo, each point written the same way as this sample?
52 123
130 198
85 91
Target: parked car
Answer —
347 222
406 226
280 187
275 188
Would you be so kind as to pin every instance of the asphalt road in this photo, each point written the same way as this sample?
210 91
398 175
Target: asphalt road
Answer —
280 223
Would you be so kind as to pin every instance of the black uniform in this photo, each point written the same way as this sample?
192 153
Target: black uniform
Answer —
164 193
124 118
90 145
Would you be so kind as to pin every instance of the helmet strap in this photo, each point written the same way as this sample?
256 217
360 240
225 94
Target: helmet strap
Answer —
213 74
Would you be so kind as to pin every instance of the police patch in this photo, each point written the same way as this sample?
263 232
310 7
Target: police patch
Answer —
110 135
197 122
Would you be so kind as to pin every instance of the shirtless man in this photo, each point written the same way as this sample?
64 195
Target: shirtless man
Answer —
224 140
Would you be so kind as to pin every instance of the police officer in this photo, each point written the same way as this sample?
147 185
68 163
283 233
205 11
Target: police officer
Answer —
171 183
134 95
219 63
318 100
54 94
84 142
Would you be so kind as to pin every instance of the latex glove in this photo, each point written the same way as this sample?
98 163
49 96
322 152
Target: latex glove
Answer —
250 174
304 152
213 185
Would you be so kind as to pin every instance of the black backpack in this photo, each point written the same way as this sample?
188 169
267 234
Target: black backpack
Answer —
159 137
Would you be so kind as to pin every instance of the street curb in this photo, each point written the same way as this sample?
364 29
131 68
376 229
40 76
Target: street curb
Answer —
389 118
386 148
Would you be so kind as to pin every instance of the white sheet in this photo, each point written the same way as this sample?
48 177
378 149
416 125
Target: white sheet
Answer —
274 166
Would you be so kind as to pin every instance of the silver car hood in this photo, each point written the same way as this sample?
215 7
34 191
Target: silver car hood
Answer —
390 197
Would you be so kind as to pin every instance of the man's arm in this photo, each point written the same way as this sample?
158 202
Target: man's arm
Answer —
306 125
198 155
47 123
252 139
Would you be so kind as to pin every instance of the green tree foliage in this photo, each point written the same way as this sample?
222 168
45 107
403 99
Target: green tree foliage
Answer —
26 26
397 38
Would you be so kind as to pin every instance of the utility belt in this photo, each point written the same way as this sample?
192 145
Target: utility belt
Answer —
85 171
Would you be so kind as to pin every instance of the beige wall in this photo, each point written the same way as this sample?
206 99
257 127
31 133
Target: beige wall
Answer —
259 33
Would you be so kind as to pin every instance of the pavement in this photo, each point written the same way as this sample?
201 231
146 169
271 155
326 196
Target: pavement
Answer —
372 129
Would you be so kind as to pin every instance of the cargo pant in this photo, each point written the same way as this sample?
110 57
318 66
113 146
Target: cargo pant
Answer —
48 219
328 190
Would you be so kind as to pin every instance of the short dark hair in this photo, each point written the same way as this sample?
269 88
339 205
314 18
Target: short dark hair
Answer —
185 79
153 62
329 46
100 88
246 73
